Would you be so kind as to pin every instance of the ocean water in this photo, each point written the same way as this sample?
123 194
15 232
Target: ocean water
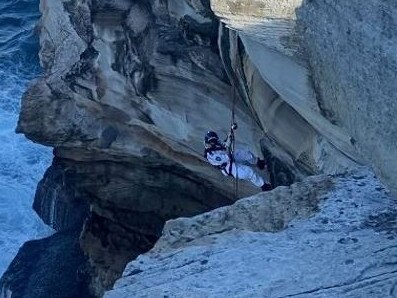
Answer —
22 163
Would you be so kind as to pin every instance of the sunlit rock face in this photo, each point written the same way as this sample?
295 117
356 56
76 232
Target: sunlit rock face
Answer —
332 63
354 66
276 69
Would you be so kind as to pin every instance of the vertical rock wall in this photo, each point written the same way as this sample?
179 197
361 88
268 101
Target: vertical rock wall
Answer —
276 74
352 49
334 64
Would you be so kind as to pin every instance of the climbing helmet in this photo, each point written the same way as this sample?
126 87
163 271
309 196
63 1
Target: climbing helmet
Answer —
211 138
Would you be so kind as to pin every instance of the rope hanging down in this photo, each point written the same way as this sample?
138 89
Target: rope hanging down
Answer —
232 147
235 84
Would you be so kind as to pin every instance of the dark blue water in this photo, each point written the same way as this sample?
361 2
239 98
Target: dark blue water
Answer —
22 163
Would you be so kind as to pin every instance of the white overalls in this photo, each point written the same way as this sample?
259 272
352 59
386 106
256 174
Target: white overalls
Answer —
240 167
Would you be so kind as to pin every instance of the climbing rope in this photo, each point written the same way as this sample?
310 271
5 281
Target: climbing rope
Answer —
232 148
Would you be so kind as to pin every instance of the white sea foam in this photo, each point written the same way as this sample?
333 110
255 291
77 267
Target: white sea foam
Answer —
22 163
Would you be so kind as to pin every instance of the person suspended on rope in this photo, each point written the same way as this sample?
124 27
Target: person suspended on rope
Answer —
238 163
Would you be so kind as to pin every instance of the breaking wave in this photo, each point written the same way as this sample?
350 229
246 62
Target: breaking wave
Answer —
22 163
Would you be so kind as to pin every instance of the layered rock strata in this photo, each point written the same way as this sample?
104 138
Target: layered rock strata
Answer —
128 92
130 87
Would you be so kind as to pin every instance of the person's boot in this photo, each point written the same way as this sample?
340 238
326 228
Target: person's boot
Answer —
261 164
266 186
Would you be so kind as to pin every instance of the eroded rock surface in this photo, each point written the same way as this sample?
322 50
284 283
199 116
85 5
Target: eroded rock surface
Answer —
128 92
130 87
323 237
354 65
333 63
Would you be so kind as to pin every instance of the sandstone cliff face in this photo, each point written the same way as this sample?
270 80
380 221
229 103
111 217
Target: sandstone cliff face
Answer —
276 68
334 63
354 65
130 87
139 80
128 92
323 237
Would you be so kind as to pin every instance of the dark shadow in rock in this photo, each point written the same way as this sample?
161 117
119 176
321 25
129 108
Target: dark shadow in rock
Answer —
130 202
280 172
57 202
